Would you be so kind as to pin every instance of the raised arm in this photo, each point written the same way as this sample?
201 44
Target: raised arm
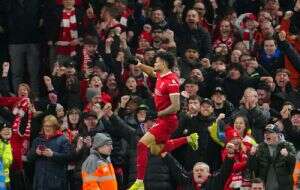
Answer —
179 174
147 69
287 49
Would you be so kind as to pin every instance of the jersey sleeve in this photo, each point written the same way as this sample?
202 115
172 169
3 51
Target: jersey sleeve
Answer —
173 86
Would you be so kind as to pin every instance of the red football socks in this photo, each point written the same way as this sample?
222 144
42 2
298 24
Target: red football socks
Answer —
141 160
172 144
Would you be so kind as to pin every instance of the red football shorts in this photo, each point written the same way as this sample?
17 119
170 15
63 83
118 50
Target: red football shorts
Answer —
163 128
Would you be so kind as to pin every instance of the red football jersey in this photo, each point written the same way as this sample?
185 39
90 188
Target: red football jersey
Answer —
165 85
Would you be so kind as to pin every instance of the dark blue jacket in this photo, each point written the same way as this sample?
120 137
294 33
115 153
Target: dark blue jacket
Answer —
51 173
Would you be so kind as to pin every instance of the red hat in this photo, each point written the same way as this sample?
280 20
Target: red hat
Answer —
147 36
231 133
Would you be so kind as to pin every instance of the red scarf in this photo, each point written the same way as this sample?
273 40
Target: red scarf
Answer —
56 134
20 142
86 60
68 32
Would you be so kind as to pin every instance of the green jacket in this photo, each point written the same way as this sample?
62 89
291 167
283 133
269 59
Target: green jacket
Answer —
7 158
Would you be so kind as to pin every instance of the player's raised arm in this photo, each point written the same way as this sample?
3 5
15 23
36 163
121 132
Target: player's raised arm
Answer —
147 69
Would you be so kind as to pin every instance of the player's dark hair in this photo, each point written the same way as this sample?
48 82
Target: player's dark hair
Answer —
167 57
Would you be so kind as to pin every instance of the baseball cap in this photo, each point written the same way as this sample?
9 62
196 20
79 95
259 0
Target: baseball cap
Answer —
143 107
218 89
4 125
272 128
208 101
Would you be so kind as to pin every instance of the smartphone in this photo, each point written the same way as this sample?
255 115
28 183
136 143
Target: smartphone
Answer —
42 147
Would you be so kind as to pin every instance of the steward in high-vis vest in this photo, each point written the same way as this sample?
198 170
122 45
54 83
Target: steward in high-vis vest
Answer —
97 170
6 157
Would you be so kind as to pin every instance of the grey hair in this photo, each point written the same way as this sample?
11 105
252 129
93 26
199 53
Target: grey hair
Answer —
202 164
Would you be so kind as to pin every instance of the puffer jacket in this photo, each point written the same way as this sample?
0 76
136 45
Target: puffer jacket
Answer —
262 161
200 37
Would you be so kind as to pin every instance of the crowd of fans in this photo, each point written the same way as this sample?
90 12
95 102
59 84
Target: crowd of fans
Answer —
73 103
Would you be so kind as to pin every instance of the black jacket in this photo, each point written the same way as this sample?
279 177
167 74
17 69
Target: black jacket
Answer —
291 133
234 89
68 90
208 151
199 37
184 179
227 109
23 21
283 166
157 174
186 67
291 53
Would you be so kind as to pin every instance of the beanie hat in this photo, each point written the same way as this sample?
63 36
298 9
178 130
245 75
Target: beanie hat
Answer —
91 93
100 139
4 125
59 107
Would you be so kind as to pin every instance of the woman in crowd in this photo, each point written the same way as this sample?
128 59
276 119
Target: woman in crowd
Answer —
50 152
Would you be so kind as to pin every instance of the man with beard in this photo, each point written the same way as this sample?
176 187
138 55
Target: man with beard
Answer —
190 60
267 101
191 32
112 88
157 35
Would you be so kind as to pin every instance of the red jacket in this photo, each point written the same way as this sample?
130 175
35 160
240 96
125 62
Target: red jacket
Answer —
238 167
